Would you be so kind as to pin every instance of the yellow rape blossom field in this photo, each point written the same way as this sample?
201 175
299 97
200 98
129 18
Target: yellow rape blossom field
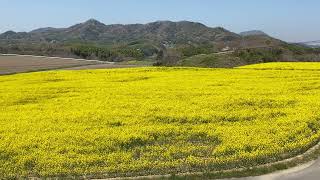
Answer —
142 121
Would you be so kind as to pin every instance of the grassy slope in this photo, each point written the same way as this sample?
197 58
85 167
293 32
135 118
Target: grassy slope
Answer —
154 120
211 60
283 53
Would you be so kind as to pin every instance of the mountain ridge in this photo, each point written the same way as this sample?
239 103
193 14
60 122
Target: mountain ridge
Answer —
253 33
162 42
160 31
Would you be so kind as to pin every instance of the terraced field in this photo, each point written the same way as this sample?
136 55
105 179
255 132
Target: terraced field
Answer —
141 121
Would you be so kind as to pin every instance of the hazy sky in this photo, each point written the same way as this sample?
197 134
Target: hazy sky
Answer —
290 20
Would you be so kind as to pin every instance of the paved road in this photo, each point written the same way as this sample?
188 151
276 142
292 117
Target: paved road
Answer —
309 171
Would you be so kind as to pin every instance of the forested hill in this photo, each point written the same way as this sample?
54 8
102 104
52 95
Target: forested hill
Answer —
164 42
160 32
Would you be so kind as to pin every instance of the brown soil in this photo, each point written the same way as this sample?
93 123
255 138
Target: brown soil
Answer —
20 64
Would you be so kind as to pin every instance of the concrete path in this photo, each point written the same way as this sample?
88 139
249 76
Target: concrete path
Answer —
309 171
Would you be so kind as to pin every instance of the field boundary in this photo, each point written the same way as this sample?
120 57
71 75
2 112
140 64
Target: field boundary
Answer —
41 70
264 169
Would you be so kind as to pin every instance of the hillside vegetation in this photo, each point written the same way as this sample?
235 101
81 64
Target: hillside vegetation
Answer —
128 122
166 43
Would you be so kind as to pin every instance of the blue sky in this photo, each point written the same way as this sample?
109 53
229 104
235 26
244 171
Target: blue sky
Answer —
290 20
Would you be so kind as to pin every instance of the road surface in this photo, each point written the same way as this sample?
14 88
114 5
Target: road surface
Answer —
309 171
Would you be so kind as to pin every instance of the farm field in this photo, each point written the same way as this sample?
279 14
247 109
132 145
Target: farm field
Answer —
19 64
142 121
284 66
103 66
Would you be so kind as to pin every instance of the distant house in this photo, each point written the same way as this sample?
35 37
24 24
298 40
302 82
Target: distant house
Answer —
226 49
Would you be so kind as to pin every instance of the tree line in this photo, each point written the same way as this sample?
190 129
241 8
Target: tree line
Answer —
107 54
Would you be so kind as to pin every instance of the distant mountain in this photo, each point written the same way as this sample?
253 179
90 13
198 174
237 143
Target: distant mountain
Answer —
313 44
44 30
253 33
11 35
157 33
162 42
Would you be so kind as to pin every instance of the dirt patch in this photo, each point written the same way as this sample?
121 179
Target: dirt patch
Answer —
20 64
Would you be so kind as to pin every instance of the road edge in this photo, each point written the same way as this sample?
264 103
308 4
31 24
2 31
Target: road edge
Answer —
306 159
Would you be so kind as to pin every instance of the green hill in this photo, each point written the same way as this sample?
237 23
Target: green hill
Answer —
163 42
